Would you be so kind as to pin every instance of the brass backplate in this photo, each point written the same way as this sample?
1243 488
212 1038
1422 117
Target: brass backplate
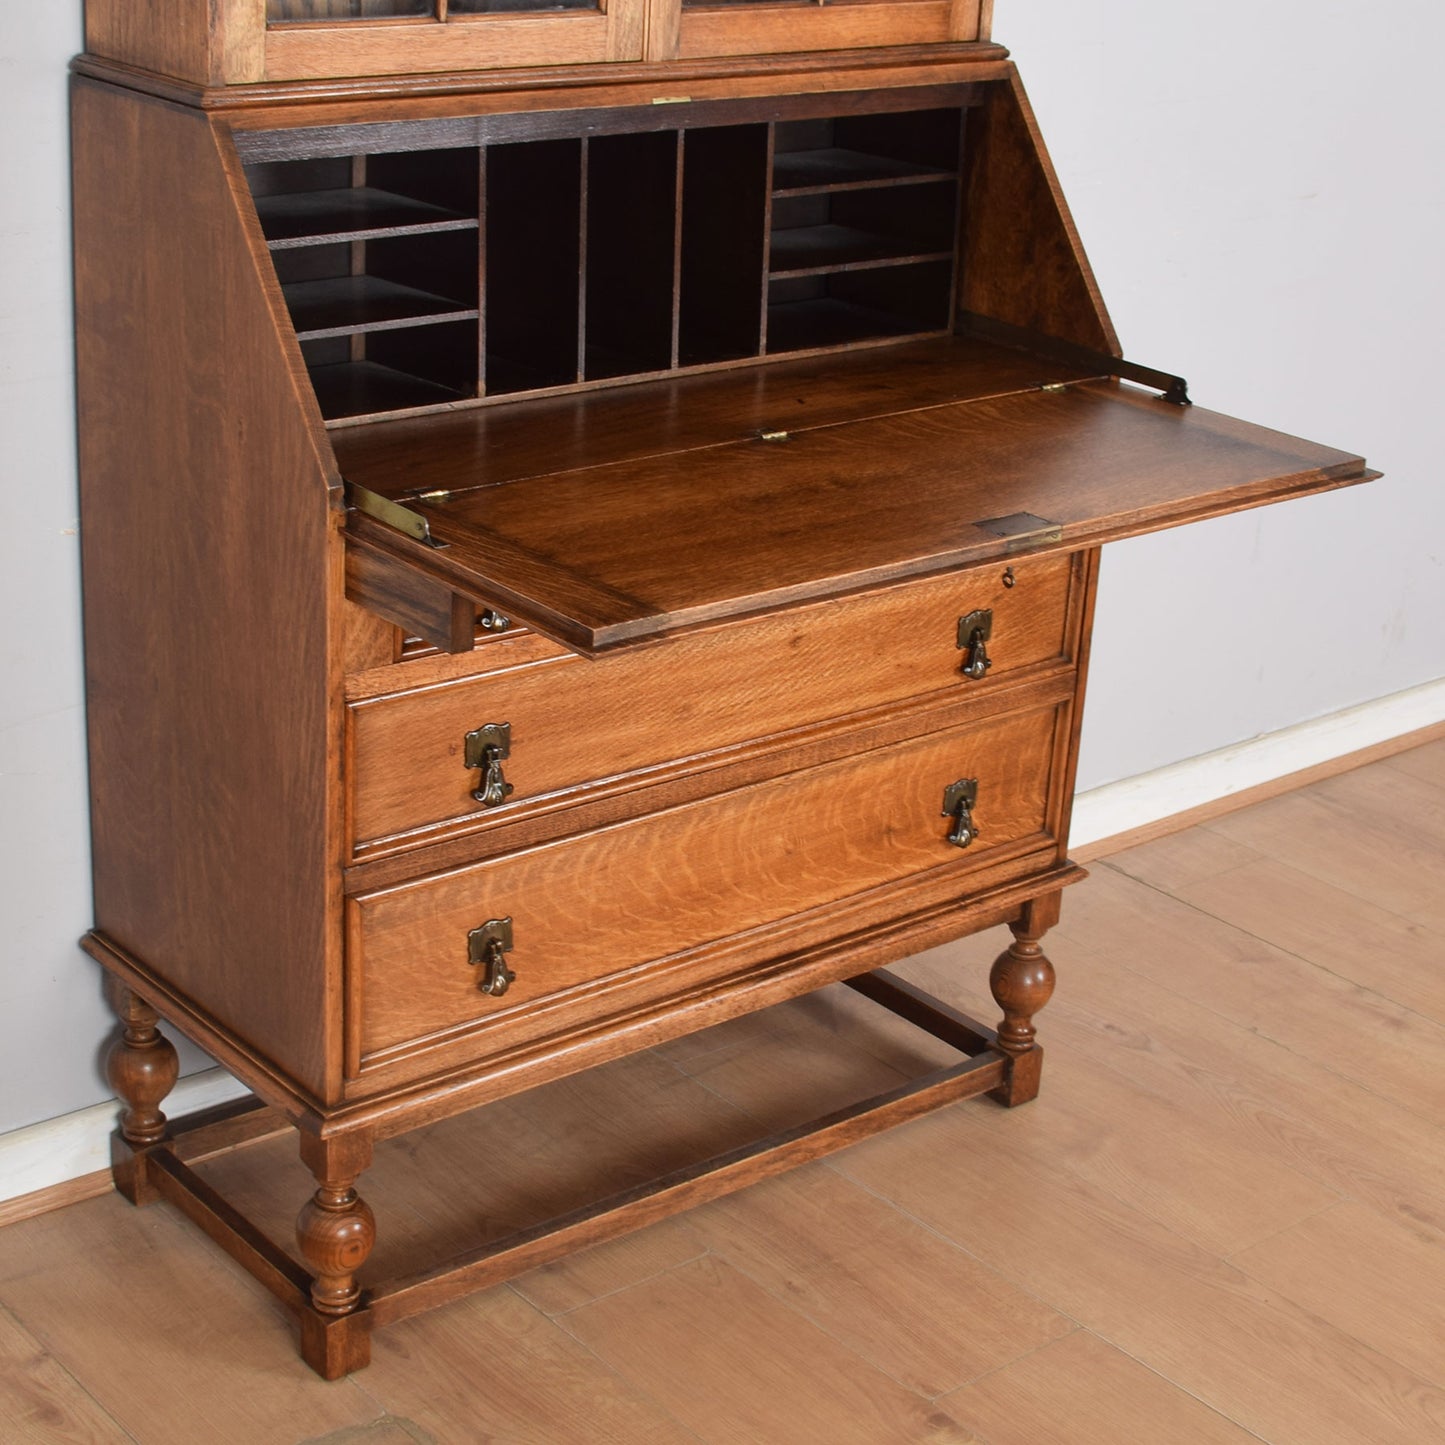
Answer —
480 941
978 622
494 736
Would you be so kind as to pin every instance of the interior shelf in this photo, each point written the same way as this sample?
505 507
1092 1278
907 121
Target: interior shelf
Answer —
808 250
802 173
346 305
360 388
823 321
557 257
309 218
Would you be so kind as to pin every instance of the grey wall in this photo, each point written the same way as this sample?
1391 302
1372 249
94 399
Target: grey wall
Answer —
1260 192
1259 186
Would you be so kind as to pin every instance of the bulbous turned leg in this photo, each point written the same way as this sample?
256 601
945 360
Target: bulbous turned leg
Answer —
1022 981
141 1066
336 1231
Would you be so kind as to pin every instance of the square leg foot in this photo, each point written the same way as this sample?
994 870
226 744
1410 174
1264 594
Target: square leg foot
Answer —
1022 1083
336 1345
130 1169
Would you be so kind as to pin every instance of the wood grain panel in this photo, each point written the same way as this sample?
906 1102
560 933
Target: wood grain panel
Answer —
1022 261
171 36
611 555
576 723
612 901
209 551
481 447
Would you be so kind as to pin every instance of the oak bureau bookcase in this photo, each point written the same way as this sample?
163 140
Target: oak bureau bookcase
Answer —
590 517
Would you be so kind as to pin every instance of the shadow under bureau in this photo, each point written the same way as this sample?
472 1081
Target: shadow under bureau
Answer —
573 556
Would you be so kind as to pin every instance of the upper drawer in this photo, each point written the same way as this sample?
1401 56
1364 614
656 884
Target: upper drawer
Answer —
655 906
630 719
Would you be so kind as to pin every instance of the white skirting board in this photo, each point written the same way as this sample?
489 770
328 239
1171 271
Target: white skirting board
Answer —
56 1151
1118 808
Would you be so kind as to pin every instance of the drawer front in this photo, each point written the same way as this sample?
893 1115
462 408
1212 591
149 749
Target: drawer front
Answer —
631 910
622 721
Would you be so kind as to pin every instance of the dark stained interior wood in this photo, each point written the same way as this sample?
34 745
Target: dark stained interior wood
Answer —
552 435
627 551
309 217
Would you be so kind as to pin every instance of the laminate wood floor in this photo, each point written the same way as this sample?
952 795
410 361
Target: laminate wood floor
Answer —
1223 1220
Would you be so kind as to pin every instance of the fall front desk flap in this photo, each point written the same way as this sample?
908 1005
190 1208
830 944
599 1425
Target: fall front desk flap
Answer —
614 518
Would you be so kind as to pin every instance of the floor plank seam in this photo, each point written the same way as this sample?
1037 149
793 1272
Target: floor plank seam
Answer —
703 1084
1185 1390
363 1385
1259 1032
1347 818
797 1308
357 1434
614 1373
1402 918
607 1293
1027 1354
838 1162
1325 1325
1308 1167
1229 1258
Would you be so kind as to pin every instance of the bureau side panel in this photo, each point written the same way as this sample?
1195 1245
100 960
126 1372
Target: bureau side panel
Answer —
207 540
1022 261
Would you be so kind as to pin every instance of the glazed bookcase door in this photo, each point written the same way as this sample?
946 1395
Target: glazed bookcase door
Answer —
772 27
315 39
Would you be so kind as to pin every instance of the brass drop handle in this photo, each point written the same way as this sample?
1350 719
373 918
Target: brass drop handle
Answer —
974 630
487 949
485 749
959 801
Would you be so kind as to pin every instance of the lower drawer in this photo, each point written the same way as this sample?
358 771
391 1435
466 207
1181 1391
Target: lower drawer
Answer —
581 727
605 921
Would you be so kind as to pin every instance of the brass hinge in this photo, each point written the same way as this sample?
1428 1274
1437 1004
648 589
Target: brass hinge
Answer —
403 519
1022 530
